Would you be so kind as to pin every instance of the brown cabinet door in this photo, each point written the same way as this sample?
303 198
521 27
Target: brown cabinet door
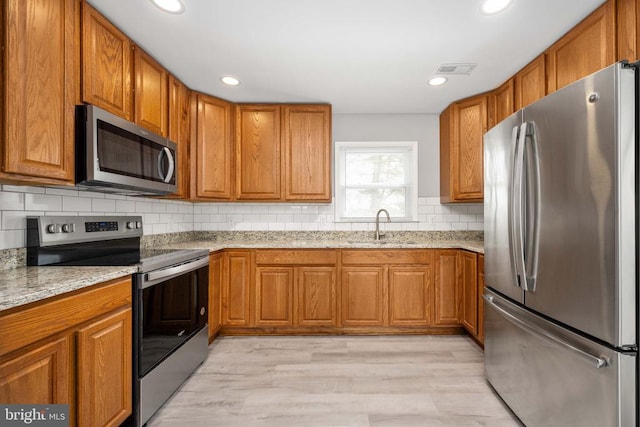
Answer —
530 83
363 296
41 76
257 148
211 159
215 287
104 370
447 293
151 93
446 134
40 375
469 285
179 122
307 152
480 299
274 296
106 64
410 295
628 29
235 288
316 296
587 48
500 104
467 169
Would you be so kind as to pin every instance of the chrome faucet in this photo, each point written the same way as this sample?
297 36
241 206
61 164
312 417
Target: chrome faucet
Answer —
377 236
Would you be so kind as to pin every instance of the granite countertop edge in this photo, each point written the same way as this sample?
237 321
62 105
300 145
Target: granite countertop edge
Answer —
25 285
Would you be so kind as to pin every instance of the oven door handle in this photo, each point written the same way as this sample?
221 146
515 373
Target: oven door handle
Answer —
167 273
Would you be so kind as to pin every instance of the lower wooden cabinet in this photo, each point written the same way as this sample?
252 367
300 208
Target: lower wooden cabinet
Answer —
215 287
363 296
469 284
315 299
410 295
447 294
235 290
274 296
73 349
104 370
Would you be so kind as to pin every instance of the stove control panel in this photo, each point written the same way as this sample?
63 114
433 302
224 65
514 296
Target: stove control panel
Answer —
61 230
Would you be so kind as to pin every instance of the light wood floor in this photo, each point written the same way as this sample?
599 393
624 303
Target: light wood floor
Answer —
338 381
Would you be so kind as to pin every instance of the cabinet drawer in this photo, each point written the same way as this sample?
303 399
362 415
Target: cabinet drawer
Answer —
296 256
387 256
23 327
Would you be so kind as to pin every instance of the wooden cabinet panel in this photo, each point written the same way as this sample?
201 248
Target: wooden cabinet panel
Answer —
530 83
151 93
410 295
480 299
215 286
258 155
446 135
469 285
235 288
447 293
211 159
106 64
500 104
386 256
363 296
274 296
38 376
179 122
307 152
41 88
316 296
588 47
296 256
104 367
467 149
628 29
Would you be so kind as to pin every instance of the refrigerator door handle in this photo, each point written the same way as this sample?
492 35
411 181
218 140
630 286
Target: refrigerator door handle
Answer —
596 361
531 218
515 212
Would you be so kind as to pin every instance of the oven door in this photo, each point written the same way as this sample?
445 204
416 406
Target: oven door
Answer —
172 308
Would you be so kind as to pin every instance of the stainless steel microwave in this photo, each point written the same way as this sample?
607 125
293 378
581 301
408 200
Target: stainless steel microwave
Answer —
114 155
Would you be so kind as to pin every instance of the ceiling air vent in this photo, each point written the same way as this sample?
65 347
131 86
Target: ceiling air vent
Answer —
456 68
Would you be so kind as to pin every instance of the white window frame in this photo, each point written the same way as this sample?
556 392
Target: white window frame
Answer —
411 203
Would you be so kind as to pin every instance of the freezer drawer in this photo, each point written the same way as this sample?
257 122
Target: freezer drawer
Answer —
550 376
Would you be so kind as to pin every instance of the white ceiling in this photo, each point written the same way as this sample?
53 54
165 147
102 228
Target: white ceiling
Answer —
362 56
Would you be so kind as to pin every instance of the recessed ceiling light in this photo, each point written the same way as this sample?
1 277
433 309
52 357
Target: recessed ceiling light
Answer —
437 81
490 7
230 80
171 6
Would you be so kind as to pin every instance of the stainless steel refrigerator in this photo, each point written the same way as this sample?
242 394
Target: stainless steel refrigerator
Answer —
561 254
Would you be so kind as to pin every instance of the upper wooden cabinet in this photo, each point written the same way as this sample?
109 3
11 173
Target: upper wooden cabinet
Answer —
212 153
462 127
307 152
530 83
587 48
106 64
179 132
151 93
258 152
628 29
40 63
500 104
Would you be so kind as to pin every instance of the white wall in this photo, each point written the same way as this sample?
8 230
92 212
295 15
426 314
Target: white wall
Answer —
423 128
166 216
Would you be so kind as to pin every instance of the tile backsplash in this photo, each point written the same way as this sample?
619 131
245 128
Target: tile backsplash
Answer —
167 216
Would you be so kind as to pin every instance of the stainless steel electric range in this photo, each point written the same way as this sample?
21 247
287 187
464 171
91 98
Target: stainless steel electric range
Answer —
170 294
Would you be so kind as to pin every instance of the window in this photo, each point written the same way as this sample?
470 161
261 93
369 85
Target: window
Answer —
375 175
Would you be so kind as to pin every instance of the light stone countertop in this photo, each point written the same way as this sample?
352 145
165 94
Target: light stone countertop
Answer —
23 285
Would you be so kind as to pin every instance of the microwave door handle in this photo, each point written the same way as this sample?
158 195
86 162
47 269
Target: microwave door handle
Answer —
166 152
